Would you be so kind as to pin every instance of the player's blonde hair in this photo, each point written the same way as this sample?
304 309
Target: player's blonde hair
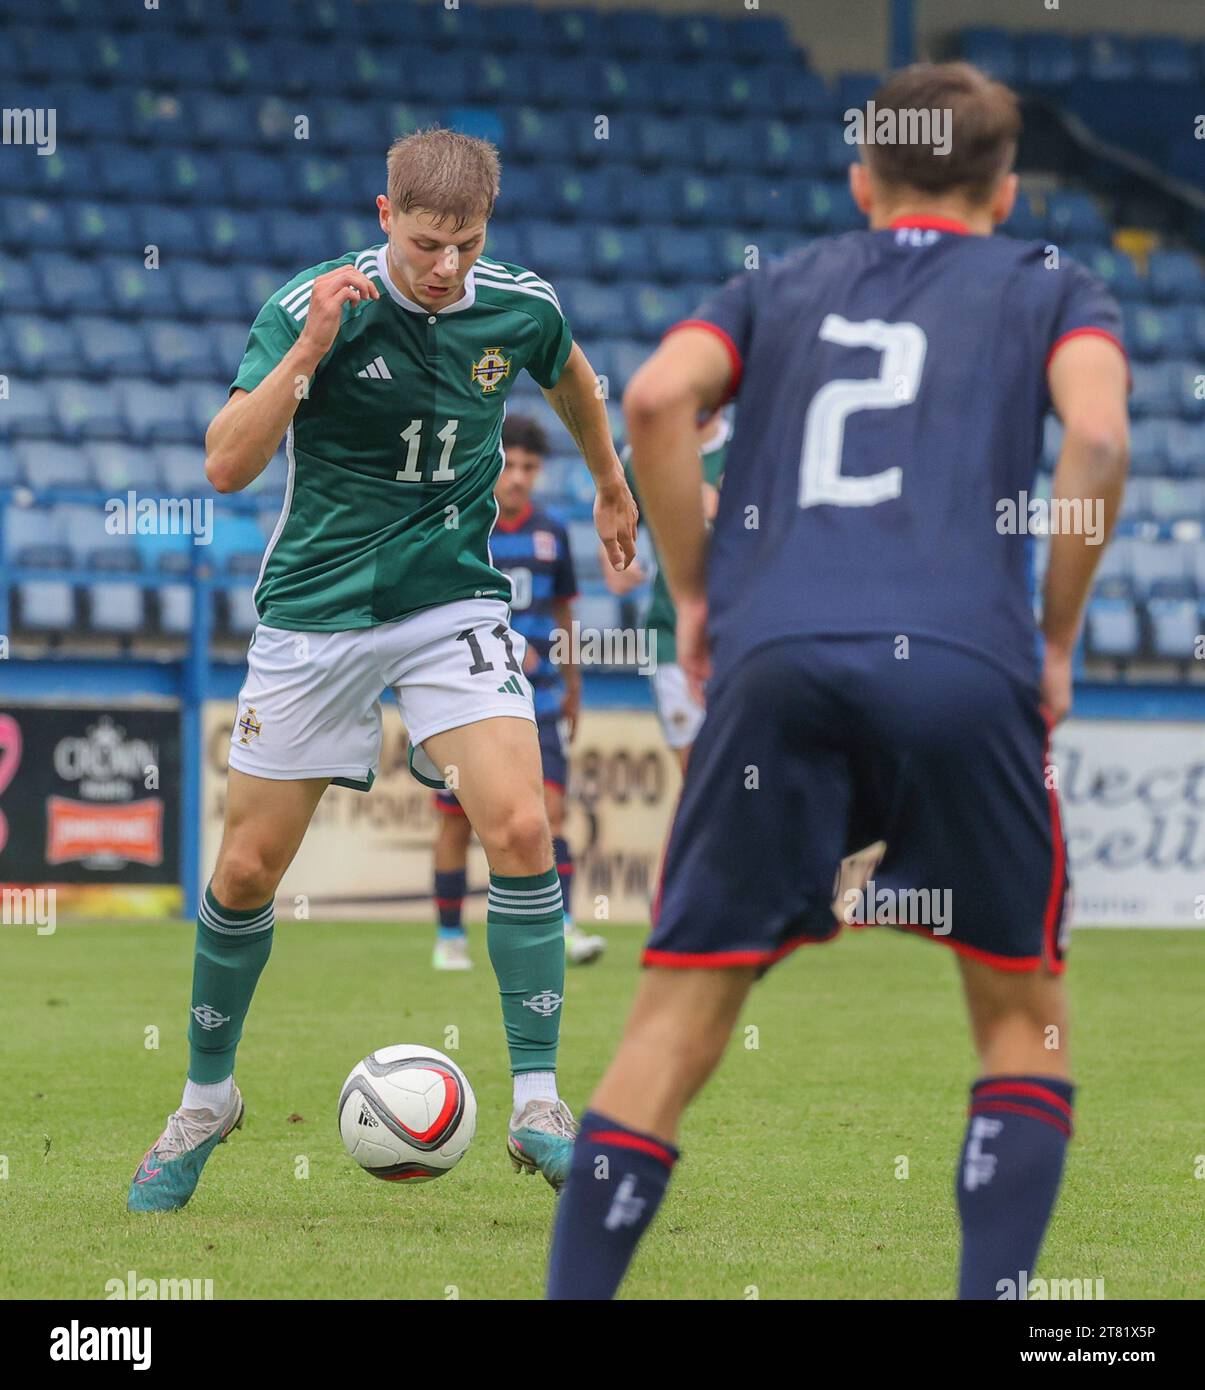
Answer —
453 176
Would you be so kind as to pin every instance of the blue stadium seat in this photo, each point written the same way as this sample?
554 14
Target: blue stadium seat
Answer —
507 27
1109 58
1111 627
1154 562
1157 333
556 248
160 117
1186 390
32 537
680 254
100 226
762 203
759 39
110 346
1185 451
1173 499
994 51
1050 60
659 141
19 288
177 64
124 172
51 176
114 606
1117 270
1148 447
827 207
236 535
111 57
629 355
679 91
227 344
1167 60
153 413
48 464
62 283
28 222
638 34
28 413
1176 277
117 468
242 617
224 120
745 92
855 89
657 307
45 605
85 410
257 284
207 291
595 310
42 346
506 241
1152 390
204 400
231 235
257 180
616 252
785 147
576 30
1138 503
1023 222
699 36
84 530
93 113
176 231
136 290
179 350
1072 216
175 609
182 470
700 198
807 95
191 176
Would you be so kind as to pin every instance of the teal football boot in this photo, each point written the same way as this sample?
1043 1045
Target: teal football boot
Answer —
541 1140
170 1170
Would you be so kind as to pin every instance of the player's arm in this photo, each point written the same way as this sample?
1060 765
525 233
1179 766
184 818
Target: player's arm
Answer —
577 402
244 434
571 672
689 376
1088 383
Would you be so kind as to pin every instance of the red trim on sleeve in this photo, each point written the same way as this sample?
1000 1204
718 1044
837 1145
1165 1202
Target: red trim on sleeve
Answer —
515 522
1094 333
734 356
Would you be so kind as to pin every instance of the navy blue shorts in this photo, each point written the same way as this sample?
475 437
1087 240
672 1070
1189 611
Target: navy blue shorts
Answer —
552 754
813 748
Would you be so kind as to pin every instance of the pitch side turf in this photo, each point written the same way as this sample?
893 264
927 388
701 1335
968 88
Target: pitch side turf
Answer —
851 1058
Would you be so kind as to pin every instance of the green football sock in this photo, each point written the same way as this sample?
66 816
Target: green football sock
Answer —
232 949
526 932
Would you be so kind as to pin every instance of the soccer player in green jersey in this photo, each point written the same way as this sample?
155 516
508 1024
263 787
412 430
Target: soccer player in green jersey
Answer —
389 370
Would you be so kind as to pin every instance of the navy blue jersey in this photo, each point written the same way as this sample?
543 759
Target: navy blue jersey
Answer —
891 391
534 551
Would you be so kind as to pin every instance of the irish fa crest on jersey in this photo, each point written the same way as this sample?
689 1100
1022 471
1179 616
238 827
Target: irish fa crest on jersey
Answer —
490 370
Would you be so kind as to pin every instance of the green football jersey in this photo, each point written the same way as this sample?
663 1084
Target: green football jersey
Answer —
394 453
660 617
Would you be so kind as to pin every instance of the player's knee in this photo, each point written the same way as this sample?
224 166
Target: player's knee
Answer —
245 877
522 837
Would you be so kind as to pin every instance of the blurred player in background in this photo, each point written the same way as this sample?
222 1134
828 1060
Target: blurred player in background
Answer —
679 709
870 641
389 369
532 548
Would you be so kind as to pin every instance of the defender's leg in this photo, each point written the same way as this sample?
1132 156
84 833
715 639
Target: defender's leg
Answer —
451 857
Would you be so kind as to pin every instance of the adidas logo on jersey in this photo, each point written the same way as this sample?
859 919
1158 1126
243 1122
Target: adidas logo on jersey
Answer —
512 687
376 370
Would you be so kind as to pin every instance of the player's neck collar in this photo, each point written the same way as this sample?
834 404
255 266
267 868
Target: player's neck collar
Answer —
464 302
930 224
516 521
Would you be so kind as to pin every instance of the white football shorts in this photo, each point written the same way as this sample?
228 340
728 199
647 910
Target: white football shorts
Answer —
680 713
311 703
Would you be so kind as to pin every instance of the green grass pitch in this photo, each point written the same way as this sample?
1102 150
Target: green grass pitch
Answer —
850 1057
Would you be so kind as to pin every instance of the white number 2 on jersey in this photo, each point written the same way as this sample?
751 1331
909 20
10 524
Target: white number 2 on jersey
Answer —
903 347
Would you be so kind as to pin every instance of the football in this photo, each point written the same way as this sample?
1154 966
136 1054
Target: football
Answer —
407 1113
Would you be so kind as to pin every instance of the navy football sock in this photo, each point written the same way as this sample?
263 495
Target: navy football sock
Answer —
564 871
450 888
615 1186
1008 1178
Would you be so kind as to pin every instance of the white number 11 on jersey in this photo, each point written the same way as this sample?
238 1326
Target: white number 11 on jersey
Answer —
903 347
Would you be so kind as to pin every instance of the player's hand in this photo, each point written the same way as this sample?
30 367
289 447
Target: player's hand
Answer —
331 292
571 709
1055 685
694 654
615 517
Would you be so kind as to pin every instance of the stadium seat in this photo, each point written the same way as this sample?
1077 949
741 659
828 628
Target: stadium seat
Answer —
42 346
1173 612
1109 58
175 609
153 413
1154 333
99 226
29 411
1072 216
1112 629
1117 270
1148 447
85 410
1166 60
1176 277
1151 393
27 222
118 468
111 346
207 291
63 284
177 350
994 51
242 616
46 464
1049 60
616 252
45 605
1185 449
1155 561
134 289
